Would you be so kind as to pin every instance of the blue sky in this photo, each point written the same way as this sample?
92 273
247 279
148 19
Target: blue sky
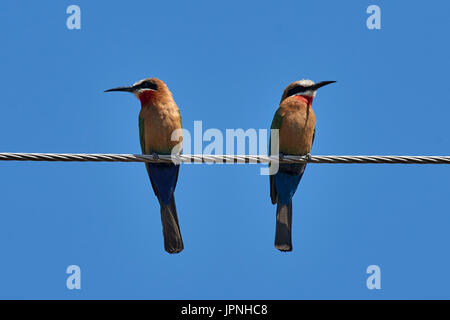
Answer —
227 64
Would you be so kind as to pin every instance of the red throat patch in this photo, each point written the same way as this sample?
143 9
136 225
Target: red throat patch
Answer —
307 99
146 96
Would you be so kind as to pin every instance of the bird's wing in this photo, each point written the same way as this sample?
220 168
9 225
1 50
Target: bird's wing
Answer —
273 191
141 134
276 124
181 122
142 140
174 170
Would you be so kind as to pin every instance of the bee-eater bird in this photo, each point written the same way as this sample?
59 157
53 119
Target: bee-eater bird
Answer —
158 118
296 123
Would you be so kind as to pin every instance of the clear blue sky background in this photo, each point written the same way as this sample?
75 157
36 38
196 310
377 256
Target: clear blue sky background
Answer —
226 64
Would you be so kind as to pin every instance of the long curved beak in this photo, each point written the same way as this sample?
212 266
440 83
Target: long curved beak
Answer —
321 84
124 89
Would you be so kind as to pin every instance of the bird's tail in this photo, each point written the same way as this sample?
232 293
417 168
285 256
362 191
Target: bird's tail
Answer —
283 238
173 243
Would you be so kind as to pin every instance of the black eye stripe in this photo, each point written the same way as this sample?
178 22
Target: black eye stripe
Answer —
148 85
295 90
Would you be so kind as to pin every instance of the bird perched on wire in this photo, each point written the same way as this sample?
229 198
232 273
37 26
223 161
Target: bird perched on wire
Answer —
158 119
296 123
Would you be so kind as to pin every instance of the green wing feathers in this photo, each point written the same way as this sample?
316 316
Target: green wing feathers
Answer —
277 119
276 124
141 134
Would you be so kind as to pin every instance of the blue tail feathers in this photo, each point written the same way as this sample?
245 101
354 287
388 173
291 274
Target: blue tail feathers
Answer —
164 176
286 184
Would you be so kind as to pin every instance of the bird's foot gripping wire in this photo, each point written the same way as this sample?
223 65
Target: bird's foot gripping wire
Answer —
155 156
281 156
308 157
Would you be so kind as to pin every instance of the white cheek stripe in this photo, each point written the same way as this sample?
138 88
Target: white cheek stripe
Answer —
309 93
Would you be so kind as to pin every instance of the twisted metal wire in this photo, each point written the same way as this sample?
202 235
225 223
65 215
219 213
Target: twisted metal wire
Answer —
191 158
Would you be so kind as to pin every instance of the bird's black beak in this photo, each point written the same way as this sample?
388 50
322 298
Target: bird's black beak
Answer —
124 89
321 84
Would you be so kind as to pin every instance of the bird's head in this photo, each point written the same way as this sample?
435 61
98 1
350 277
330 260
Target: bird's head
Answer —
303 89
148 91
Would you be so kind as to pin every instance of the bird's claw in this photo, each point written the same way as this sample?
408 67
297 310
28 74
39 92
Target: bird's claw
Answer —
155 156
281 156
308 157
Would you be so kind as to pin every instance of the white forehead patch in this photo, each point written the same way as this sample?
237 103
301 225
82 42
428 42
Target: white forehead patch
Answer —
306 82
138 82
